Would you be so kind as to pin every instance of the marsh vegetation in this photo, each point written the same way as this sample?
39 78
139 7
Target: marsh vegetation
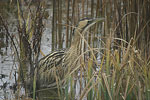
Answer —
114 64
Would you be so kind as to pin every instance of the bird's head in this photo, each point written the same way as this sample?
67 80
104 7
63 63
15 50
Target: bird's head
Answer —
86 23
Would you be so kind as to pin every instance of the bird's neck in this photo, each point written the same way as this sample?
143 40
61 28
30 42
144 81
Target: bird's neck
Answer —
77 37
74 51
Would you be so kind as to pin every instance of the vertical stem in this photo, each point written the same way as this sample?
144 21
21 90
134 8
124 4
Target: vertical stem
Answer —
59 24
87 7
72 20
53 26
67 30
92 8
83 8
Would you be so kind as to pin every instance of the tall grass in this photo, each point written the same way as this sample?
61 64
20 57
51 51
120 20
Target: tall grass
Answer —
118 77
121 70
121 46
26 43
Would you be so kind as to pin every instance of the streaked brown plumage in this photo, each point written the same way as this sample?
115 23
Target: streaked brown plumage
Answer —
58 62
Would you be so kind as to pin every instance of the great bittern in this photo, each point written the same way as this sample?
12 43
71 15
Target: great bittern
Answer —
58 62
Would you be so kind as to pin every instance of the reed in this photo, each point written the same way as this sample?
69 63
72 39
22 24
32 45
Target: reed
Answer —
115 62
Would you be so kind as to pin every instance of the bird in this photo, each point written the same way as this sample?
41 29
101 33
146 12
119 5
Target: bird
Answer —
59 62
